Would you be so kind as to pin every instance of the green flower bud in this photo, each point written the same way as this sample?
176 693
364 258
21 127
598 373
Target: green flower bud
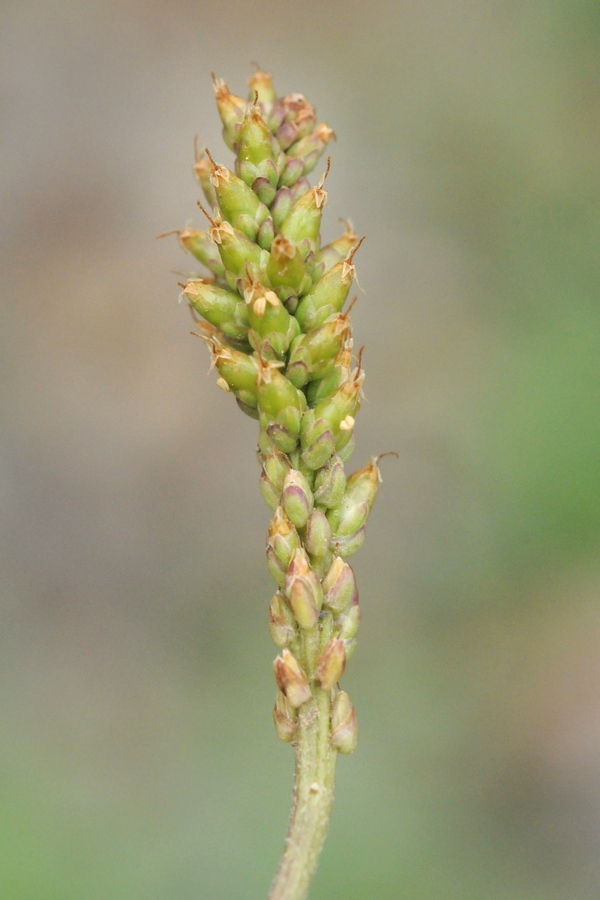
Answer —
272 327
280 407
202 170
303 590
256 155
337 251
358 499
284 716
238 203
328 295
303 221
266 233
232 110
314 354
344 726
286 270
331 663
261 89
324 387
237 370
236 250
331 421
282 624
294 169
200 245
296 498
220 307
347 624
330 483
318 534
339 587
291 679
310 148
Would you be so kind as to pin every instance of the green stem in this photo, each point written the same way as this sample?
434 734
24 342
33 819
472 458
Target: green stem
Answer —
313 797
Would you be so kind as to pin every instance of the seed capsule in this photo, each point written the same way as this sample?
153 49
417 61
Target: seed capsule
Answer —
331 663
291 679
339 587
282 624
284 716
318 534
344 726
303 590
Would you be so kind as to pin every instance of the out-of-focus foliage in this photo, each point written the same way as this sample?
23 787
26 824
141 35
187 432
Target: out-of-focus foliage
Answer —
138 758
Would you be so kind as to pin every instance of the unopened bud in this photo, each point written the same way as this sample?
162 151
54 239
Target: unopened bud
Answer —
330 483
318 534
220 307
352 513
328 295
200 245
339 587
296 498
283 537
275 467
284 716
261 87
291 679
348 622
231 110
331 663
348 546
344 726
303 590
282 624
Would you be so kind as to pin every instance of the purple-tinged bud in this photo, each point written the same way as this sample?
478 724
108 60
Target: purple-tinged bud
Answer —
266 233
284 716
199 244
277 570
276 465
282 624
330 483
319 450
344 726
333 416
281 206
220 307
318 534
331 663
291 679
202 169
299 113
294 169
231 110
328 295
348 546
339 587
297 498
303 590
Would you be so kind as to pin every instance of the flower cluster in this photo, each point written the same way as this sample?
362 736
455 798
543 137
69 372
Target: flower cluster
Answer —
272 317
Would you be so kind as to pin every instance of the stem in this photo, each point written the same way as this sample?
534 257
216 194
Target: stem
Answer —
313 797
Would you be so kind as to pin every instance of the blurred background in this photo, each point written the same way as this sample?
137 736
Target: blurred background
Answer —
138 758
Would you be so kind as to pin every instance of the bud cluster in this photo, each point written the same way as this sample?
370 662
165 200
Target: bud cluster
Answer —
272 304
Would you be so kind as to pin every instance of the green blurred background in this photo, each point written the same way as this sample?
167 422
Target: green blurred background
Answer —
138 758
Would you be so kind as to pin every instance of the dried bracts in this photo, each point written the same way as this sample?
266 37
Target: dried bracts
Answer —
273 300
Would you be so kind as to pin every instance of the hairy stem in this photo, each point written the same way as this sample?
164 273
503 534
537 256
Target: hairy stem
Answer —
313 797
